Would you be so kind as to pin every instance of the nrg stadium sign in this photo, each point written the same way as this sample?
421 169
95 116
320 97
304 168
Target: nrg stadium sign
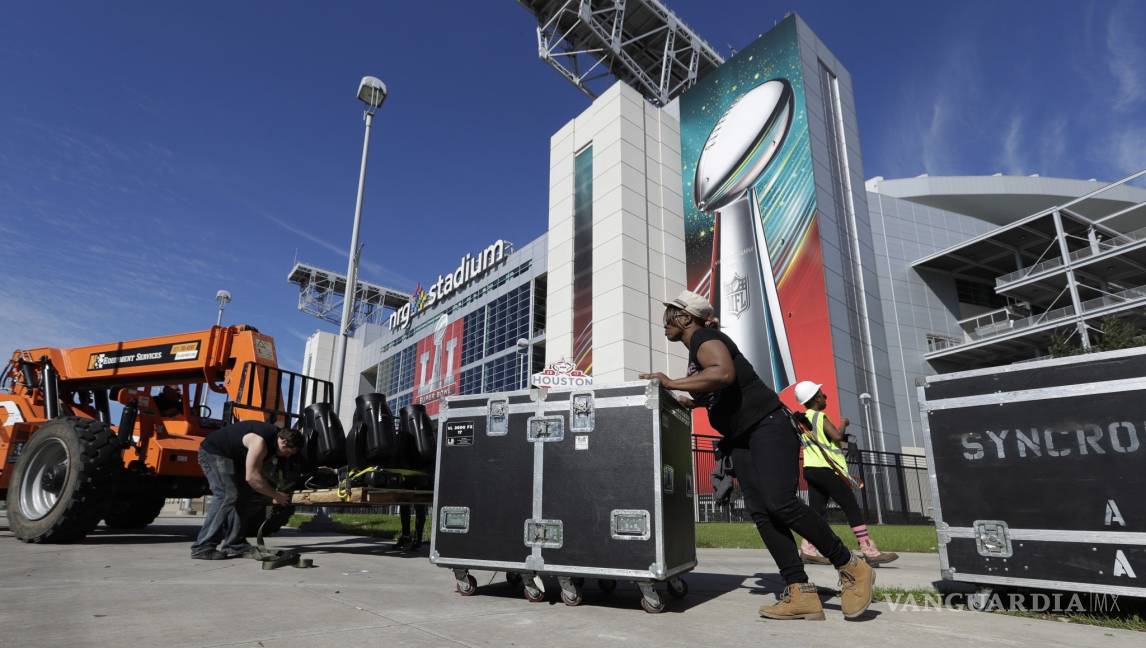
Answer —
471 268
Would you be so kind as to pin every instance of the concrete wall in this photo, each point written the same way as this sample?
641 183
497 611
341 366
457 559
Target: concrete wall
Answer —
913 307
638 234
858 342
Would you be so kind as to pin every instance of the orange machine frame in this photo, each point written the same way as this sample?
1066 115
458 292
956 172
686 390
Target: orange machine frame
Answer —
237 361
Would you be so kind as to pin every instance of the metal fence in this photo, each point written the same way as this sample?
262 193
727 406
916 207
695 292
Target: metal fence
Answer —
896 488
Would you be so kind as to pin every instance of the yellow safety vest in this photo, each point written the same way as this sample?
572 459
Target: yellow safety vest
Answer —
813 456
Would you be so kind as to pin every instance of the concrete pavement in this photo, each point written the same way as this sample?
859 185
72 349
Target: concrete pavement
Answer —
142 590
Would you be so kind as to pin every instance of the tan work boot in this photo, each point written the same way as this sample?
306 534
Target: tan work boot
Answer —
874 556
799 601
857 585
810 556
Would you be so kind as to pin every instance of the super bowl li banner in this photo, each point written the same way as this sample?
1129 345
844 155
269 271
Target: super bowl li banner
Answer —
437 364
751 222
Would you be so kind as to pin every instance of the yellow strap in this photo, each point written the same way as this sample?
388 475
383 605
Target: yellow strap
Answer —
344 486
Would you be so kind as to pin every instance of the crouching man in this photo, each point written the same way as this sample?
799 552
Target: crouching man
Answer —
230 456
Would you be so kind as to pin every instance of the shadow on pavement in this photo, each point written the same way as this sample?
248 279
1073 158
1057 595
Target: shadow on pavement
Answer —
357 545
702 587
156 533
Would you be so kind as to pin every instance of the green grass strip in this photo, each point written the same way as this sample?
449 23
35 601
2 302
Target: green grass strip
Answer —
889 537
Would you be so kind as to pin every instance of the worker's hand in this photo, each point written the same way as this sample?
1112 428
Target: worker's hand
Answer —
844 422
656 375
686 401
280 498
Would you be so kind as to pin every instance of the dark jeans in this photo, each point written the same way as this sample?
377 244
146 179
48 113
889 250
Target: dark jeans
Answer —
420 519
222 523
767 464
825 484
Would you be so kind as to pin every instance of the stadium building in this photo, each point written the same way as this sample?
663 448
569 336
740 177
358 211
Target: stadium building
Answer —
742 179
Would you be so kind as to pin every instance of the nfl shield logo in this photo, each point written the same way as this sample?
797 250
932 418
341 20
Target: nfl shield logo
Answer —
736 293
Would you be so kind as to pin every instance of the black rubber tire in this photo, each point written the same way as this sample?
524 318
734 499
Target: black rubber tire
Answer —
680 591
133 511
533 595
94 463
607 585
514 579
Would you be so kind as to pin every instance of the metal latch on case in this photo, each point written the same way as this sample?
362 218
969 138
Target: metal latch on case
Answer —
498 422
992 538
629 524
455 519
547 534
546 429
582 414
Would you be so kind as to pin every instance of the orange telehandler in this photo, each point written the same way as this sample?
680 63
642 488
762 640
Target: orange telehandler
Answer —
65 465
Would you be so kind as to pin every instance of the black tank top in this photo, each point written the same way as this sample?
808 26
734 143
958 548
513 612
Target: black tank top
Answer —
228 441
735 409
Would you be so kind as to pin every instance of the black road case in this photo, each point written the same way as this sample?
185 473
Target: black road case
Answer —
1038 472
593 483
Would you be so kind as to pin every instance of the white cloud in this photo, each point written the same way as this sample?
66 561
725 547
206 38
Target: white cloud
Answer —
936 148
1053 152
381 272
1126 150
1014 161
299 334
1125 58
25 323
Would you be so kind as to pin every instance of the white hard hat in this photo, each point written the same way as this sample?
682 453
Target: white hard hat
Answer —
806 390
691 303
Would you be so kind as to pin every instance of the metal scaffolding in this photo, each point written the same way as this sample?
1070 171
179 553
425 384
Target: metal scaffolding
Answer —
321 293
639 42
1060 270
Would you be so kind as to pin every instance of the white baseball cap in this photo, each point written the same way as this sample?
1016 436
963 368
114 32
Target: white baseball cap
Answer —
806 390
692 303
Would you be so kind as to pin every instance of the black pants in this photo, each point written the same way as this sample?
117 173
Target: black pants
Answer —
767 464
419 515
825 484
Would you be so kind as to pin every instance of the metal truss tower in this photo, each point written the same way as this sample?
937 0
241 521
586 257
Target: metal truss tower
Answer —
639 42
321 293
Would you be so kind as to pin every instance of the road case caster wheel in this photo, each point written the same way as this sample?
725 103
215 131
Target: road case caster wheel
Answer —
606 585
677 587
533 595
651 601
570 590
980 600
572 600
468 586
652 608
514 579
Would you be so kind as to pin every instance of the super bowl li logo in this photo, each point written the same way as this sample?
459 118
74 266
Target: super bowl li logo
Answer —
736 295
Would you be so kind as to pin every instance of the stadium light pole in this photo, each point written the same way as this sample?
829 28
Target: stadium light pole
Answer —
224 298
865 399
372 92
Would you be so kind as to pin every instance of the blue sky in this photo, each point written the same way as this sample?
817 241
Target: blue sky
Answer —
152 153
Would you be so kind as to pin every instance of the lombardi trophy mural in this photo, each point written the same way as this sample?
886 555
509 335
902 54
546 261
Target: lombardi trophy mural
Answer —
740 147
